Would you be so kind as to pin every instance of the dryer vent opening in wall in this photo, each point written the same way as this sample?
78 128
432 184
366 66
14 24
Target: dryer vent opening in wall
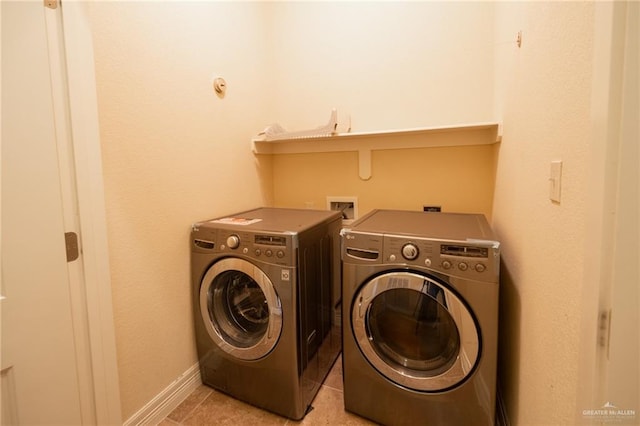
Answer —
348 206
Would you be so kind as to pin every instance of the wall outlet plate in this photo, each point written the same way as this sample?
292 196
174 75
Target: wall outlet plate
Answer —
431 208
347 205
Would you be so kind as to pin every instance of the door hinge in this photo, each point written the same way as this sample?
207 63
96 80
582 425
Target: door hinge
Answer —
604 330
71 244
51 4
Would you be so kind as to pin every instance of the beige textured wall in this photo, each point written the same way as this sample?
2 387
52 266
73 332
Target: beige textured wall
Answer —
173 153
544 92
401 179
389 65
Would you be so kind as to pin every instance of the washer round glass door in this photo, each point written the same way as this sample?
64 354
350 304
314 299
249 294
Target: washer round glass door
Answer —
240 308
415 331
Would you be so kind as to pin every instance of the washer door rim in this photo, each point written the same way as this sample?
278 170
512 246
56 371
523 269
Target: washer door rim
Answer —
468 355
274 326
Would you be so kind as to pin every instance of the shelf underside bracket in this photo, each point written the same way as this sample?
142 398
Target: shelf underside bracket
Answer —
364 164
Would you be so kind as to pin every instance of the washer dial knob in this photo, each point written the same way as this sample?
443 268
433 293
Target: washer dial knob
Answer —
410 251
233 241
480 267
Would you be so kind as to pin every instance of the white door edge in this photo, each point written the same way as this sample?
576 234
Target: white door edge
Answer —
95 272
1 285
608 91
58 75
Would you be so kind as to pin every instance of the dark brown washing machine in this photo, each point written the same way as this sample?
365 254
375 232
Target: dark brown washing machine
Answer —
420 316
266 287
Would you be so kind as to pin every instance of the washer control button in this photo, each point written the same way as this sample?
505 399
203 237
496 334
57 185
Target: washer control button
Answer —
392 258
463 266
268 252
245 250
446 264
257 252
410 251
233 241
280 254
480 267
427 262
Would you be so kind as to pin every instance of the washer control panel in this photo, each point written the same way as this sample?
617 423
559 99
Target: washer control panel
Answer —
475 259
471 259
270 248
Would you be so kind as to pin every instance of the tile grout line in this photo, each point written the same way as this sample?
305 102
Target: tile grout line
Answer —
186 416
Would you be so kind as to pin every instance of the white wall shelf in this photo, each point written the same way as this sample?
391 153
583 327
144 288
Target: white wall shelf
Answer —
365 142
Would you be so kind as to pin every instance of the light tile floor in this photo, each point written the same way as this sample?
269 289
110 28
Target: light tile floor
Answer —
206 406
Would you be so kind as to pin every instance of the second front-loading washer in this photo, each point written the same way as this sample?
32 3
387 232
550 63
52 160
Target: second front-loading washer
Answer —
264 296
420 318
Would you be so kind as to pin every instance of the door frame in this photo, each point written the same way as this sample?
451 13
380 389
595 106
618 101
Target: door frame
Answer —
91 294
1 286
602 253
91 287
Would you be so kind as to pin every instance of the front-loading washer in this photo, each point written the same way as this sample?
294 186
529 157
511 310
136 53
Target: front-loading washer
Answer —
265 293
420 318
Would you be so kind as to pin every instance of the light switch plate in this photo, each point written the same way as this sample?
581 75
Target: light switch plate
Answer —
555 181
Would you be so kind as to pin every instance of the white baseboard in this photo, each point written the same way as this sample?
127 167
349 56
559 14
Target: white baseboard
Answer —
167 400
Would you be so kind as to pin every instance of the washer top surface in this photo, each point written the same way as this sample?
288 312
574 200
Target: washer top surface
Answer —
273 219
447 226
